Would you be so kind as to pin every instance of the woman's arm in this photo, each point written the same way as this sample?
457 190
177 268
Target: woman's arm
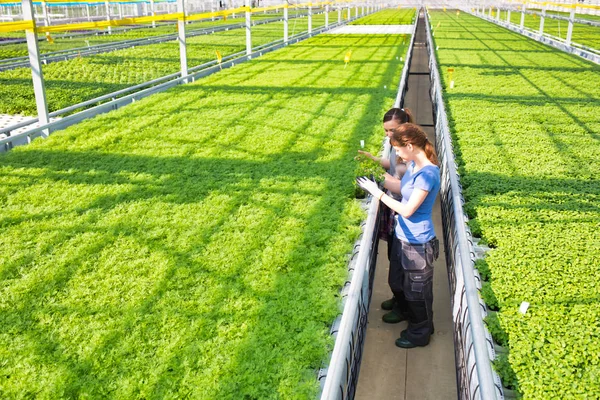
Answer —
384 162
392 184
406 210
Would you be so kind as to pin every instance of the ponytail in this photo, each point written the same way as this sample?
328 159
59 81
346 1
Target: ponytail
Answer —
430 153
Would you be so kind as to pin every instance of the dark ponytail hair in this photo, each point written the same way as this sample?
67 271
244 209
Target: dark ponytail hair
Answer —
402 115
413 134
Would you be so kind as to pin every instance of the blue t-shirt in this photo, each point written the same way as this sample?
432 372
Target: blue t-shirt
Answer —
419 227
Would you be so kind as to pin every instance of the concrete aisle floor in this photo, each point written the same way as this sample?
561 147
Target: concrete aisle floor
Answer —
389 372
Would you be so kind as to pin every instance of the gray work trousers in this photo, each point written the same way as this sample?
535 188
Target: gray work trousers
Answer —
411 281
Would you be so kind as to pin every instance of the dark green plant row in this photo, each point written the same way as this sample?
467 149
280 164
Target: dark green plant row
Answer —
194 243
526 130
400 16
80 79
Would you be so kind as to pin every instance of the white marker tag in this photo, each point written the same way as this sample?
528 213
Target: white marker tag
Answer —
523 308
362 144
451 84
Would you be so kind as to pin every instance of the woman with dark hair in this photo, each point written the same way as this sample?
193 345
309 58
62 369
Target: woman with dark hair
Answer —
414 245
392 119
395 168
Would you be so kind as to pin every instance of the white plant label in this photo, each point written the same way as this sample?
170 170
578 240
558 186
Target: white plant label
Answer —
451 84
523 308
362 144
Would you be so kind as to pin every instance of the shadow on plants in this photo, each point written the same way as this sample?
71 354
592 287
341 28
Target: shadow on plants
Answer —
170 262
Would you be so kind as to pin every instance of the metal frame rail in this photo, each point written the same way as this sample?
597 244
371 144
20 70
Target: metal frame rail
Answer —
545 38
114 30
111 102
339 379
474 348
63 55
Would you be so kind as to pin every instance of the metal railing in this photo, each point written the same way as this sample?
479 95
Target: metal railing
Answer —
63 55
340 377
474 348
577 49
112 101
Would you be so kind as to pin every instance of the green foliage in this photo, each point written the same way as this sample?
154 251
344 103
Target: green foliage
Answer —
507 375
77 80
495 327
403 16
487 293
525 122
369 168
483 268
192 244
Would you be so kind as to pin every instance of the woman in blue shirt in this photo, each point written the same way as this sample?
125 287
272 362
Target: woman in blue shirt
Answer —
414 246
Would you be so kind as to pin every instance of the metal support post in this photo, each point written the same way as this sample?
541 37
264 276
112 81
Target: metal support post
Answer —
522 25
39 87
87 12
309 17
349 13
248 31
326 15
490 12
570 29
356 11
153 12
212 9
339 15
542 20
508 16
120 11
181 38
106 3
45 13
498 16
285 23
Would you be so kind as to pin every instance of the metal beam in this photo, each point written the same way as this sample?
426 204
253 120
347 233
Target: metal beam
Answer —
285 23
39 88
181 39
248 29
570 29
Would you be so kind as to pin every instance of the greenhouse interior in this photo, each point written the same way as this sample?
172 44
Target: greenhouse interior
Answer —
266 199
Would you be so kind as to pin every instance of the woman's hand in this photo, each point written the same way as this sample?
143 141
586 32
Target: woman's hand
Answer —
369 186
371 156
